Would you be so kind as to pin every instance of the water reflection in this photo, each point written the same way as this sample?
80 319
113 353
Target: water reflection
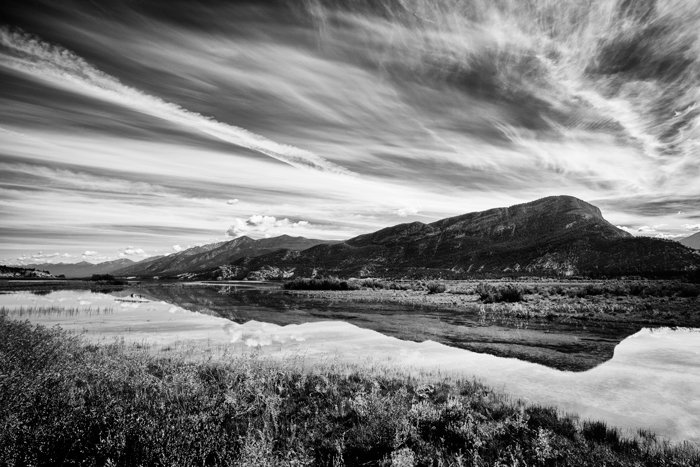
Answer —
573 346
53 310
651 381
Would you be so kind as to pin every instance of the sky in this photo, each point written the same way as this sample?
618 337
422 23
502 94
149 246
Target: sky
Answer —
135 128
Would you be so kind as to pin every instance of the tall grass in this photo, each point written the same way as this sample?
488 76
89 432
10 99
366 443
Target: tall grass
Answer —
66 403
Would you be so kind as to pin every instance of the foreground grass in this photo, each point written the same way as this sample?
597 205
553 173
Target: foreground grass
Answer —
64 402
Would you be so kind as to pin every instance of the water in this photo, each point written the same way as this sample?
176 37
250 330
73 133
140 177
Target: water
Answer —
652 380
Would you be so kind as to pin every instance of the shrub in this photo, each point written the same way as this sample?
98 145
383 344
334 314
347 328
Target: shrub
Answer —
435 287
688 291
509 293
332 283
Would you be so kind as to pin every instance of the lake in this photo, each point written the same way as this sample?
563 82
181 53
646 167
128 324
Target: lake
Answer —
647 379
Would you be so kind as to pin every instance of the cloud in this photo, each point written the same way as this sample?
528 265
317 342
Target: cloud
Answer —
177 248
260 224
691 227
39 256
232 201
656 231
89 253
407 211
60 67
396 99
650 228
131 251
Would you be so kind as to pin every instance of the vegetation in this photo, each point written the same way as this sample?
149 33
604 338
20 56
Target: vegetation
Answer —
329 283
63 402
436 287
490 293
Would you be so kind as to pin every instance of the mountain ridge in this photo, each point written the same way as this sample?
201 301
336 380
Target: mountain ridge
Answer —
552 236
692 241
206 257
81 269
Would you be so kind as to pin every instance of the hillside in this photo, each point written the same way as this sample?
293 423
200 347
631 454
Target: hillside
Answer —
554 236
207 257
692 242
23 272
82 269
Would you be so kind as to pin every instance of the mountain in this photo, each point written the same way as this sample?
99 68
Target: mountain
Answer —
554 236
82 269
692 242
207 257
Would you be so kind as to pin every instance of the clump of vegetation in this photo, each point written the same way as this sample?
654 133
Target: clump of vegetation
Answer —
328 283
636 288
107 279
435 287
490 293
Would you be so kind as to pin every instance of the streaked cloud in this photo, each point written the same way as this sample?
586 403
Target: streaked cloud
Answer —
62 68
122 126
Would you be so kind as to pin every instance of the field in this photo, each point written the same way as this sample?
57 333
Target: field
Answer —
65 402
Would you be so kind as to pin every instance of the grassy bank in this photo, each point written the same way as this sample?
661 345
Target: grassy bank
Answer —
64 402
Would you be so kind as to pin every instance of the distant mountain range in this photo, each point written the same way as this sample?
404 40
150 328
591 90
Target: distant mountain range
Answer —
82 269
554 236
692 242
205 258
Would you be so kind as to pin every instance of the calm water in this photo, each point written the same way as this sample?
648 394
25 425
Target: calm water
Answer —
651 380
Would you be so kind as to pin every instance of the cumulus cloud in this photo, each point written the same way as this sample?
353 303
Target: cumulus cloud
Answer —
655 231
131 251
260 224
407 211
232 201
691 227
177 248
39 256
89 253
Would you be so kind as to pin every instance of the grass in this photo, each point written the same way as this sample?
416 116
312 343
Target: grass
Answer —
63 402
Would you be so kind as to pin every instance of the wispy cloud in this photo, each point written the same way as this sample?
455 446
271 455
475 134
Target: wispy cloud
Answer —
121 126
60 67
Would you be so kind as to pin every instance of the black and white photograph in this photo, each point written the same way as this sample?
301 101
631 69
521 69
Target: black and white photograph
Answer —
400 233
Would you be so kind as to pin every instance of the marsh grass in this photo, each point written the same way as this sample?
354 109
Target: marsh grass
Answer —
63 402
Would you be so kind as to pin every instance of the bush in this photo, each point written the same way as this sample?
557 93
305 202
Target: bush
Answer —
508 293
107 279
436 287
331 283
688 291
